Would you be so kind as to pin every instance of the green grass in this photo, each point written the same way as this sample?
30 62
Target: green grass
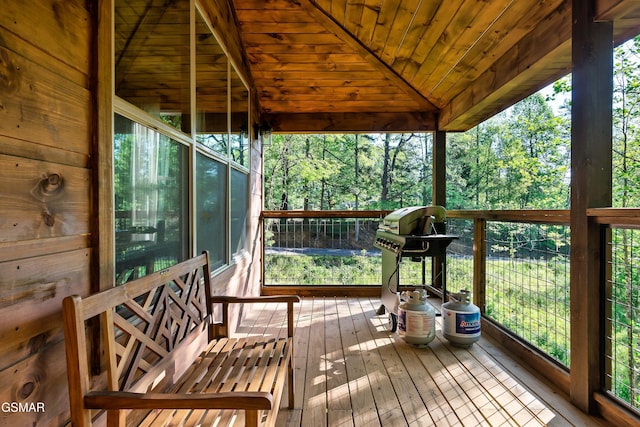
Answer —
326 270
530 297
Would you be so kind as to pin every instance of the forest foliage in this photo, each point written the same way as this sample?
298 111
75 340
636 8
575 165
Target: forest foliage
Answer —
517 160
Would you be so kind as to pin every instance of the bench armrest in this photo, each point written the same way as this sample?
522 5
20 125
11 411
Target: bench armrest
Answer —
221 329
126 400
262 299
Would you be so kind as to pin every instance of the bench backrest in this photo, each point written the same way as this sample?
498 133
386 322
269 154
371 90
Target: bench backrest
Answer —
151 329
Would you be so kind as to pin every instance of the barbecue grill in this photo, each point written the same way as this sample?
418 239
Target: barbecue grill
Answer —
417 232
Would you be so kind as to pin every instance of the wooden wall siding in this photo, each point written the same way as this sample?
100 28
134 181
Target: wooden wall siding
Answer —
44 99
45 190
42 199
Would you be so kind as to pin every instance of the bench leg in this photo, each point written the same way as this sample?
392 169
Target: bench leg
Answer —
251 418
116 418
291 384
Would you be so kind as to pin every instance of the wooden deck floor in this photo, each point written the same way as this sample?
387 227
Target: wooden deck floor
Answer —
352 371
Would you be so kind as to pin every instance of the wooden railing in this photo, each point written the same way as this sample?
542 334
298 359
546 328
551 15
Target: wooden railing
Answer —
620 299
333 236
480 218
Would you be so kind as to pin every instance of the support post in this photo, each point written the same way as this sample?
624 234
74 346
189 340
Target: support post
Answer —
591 153
439 197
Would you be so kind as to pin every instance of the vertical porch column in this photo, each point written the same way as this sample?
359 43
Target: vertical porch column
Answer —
102 85
439 197
591 120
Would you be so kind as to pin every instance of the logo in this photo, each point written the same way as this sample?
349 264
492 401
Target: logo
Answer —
15 407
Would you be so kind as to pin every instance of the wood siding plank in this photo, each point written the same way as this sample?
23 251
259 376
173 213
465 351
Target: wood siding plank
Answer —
31 293
42 200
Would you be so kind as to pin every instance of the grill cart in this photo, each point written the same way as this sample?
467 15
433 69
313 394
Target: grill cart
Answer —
416 232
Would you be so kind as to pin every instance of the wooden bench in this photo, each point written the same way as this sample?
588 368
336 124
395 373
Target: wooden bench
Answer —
164 359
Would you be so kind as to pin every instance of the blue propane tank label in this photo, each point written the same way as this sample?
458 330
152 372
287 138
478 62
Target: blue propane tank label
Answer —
468 323
460 324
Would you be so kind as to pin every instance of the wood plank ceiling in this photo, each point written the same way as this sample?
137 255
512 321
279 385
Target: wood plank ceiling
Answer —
398 65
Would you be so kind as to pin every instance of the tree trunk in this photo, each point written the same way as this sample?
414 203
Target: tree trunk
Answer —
384 184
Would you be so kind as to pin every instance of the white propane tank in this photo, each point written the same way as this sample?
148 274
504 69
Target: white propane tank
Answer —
416 318
461 320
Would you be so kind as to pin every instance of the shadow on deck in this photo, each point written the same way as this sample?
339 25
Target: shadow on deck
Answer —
352 371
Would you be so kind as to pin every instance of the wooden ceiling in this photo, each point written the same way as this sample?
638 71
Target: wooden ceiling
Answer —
399 65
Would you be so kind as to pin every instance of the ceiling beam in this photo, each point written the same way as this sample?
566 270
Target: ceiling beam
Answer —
351 122
332 26
610 10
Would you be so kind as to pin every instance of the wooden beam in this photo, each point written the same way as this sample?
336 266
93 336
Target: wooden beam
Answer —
330 24
480 263
350 122
609 10
591 183
541 216
323 291
439 168
102 81
538 59
325 214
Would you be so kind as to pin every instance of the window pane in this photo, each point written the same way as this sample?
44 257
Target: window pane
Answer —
239 208
239 120
211 209
150 186
211 93
152 59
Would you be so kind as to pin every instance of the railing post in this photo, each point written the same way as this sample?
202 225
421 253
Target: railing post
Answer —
479 262
606 271
262 227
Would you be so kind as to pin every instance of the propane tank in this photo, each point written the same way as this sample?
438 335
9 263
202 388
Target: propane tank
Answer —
416 318
461 320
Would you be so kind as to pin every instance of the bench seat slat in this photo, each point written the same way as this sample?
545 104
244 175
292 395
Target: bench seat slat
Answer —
253 357
243 365
271 367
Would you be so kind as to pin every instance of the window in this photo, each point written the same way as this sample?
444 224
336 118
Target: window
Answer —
239 208
150 200
211 209
239 120
211 91
152 59
175 172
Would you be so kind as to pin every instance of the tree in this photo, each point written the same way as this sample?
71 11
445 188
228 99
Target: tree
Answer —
626 166
472 169
540 165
